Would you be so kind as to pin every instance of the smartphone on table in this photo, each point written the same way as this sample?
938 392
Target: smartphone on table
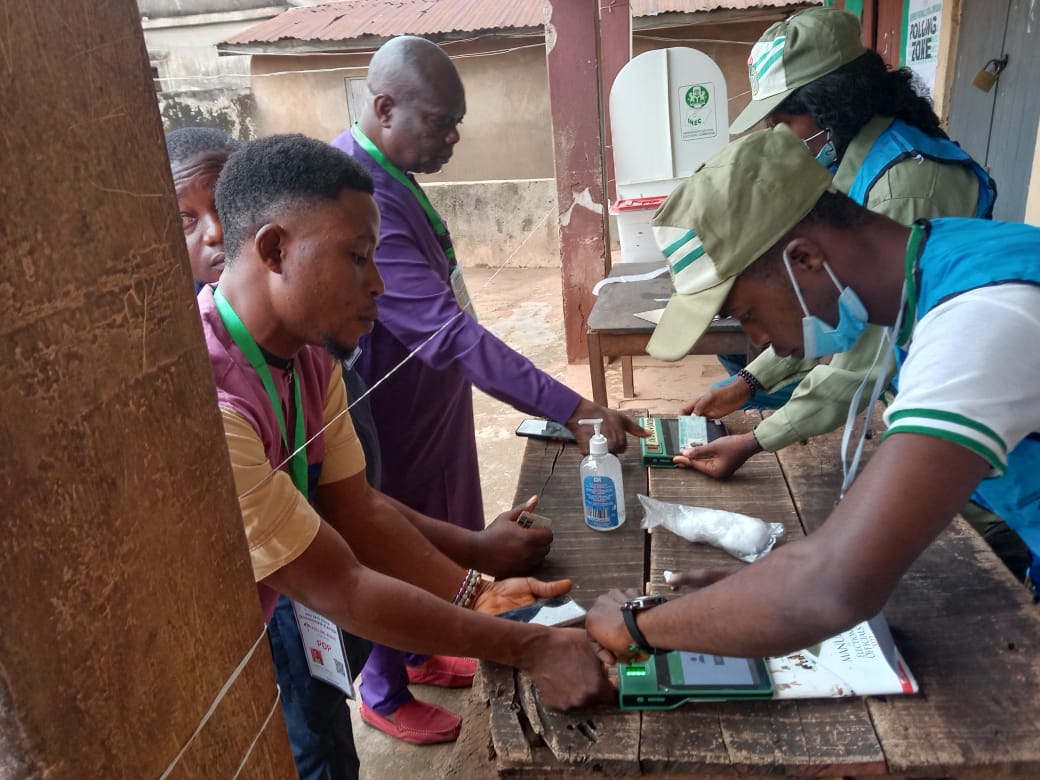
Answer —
544 429
555 611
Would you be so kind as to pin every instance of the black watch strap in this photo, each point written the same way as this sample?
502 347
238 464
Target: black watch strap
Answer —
640 641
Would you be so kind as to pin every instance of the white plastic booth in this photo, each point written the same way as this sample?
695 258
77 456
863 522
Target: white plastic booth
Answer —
669 112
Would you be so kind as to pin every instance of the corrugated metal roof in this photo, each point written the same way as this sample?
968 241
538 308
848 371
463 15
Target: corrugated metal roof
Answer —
349 19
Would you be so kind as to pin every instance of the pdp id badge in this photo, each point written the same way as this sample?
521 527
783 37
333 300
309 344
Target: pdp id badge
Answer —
458 287
323 647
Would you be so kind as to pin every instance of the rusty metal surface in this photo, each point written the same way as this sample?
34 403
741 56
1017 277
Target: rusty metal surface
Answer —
350 19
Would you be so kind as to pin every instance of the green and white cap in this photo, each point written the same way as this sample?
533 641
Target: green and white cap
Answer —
722 219
796 52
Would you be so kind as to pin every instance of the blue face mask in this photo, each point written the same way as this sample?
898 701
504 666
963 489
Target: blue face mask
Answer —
820 338
828 155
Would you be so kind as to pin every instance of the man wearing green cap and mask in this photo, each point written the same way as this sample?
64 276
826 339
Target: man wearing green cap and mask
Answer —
758 233
884 144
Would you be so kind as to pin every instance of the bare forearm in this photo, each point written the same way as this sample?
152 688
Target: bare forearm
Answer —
770 608
327 578
843 573
384 540
456 543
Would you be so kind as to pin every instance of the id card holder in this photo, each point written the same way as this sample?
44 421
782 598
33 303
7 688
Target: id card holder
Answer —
458 287
323 647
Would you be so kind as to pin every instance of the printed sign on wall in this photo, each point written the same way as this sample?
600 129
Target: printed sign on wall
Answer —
921 53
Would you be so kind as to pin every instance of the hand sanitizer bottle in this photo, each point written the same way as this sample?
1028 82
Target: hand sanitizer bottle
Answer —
601 486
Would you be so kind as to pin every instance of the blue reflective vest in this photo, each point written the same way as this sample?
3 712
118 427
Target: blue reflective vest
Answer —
966 254
901 141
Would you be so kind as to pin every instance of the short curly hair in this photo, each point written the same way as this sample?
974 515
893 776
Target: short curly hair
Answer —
186 142
846 99
280 171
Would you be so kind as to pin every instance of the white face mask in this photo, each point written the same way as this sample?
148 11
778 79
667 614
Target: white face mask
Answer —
818 337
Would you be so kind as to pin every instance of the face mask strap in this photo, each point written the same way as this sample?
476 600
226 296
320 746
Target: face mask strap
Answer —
797 291
849 470
816 135
827 268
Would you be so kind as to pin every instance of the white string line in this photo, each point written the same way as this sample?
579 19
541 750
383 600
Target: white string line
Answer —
277 469
263 728
216 702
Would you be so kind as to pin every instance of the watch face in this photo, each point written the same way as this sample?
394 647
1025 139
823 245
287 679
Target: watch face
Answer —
645 602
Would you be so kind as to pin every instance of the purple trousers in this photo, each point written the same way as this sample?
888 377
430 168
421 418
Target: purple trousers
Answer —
385 676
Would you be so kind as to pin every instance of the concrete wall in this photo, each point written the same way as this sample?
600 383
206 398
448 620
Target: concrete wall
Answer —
198 87
506 148
506 133
496 223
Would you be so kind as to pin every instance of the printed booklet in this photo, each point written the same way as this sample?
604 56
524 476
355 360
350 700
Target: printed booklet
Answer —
863 661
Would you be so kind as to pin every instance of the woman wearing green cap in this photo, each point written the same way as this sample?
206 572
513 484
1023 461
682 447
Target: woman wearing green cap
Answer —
883 143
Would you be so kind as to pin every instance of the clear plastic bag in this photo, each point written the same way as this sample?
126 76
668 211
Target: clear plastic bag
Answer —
743 537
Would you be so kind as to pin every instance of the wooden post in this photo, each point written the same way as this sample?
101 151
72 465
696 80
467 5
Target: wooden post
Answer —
128 599
615 46
572 54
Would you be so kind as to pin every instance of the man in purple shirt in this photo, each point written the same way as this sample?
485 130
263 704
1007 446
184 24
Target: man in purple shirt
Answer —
424 409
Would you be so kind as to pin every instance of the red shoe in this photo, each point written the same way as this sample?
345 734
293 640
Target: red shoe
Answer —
444 671
418 722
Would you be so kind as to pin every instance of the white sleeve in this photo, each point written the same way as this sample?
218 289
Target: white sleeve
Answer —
972 374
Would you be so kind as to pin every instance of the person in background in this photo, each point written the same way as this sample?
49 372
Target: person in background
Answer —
960 302
424 408
884 144
197 156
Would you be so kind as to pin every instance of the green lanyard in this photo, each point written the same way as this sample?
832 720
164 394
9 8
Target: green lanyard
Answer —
244 341
431 213
918 233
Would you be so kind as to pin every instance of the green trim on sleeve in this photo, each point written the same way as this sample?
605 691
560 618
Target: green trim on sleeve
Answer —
953 428
949 417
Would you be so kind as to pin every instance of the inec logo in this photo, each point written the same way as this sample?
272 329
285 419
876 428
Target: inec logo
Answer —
697 96
752 77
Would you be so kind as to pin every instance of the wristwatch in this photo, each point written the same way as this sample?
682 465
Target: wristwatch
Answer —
628 614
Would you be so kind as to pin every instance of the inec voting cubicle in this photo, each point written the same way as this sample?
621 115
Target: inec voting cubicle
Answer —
668 114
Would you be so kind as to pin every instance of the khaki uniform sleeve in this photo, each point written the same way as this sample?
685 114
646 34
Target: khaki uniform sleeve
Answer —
279 522
774 372
343 454
821 401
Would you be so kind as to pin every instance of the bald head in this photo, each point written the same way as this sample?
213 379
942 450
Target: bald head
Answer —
409 67
417 102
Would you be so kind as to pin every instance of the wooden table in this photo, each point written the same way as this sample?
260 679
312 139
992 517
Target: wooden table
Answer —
967 630
615 331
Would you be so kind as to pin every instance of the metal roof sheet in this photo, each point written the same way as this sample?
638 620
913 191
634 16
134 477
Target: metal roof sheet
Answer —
346 20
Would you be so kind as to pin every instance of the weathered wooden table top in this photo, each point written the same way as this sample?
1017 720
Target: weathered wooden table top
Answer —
617 304
966 629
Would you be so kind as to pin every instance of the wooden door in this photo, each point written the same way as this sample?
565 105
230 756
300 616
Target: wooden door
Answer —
999 127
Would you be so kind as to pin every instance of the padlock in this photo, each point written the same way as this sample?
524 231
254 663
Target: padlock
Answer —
987 77
984 80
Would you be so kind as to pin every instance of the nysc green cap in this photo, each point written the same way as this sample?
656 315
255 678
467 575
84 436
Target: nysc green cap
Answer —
722 219
796 52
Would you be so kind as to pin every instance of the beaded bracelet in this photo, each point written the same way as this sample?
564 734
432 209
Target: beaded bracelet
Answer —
467 590
752 383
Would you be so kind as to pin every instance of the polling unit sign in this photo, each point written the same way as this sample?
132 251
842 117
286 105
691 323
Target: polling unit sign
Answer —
921 36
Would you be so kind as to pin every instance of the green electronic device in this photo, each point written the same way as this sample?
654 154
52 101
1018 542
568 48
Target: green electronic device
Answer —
669 436
669 680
